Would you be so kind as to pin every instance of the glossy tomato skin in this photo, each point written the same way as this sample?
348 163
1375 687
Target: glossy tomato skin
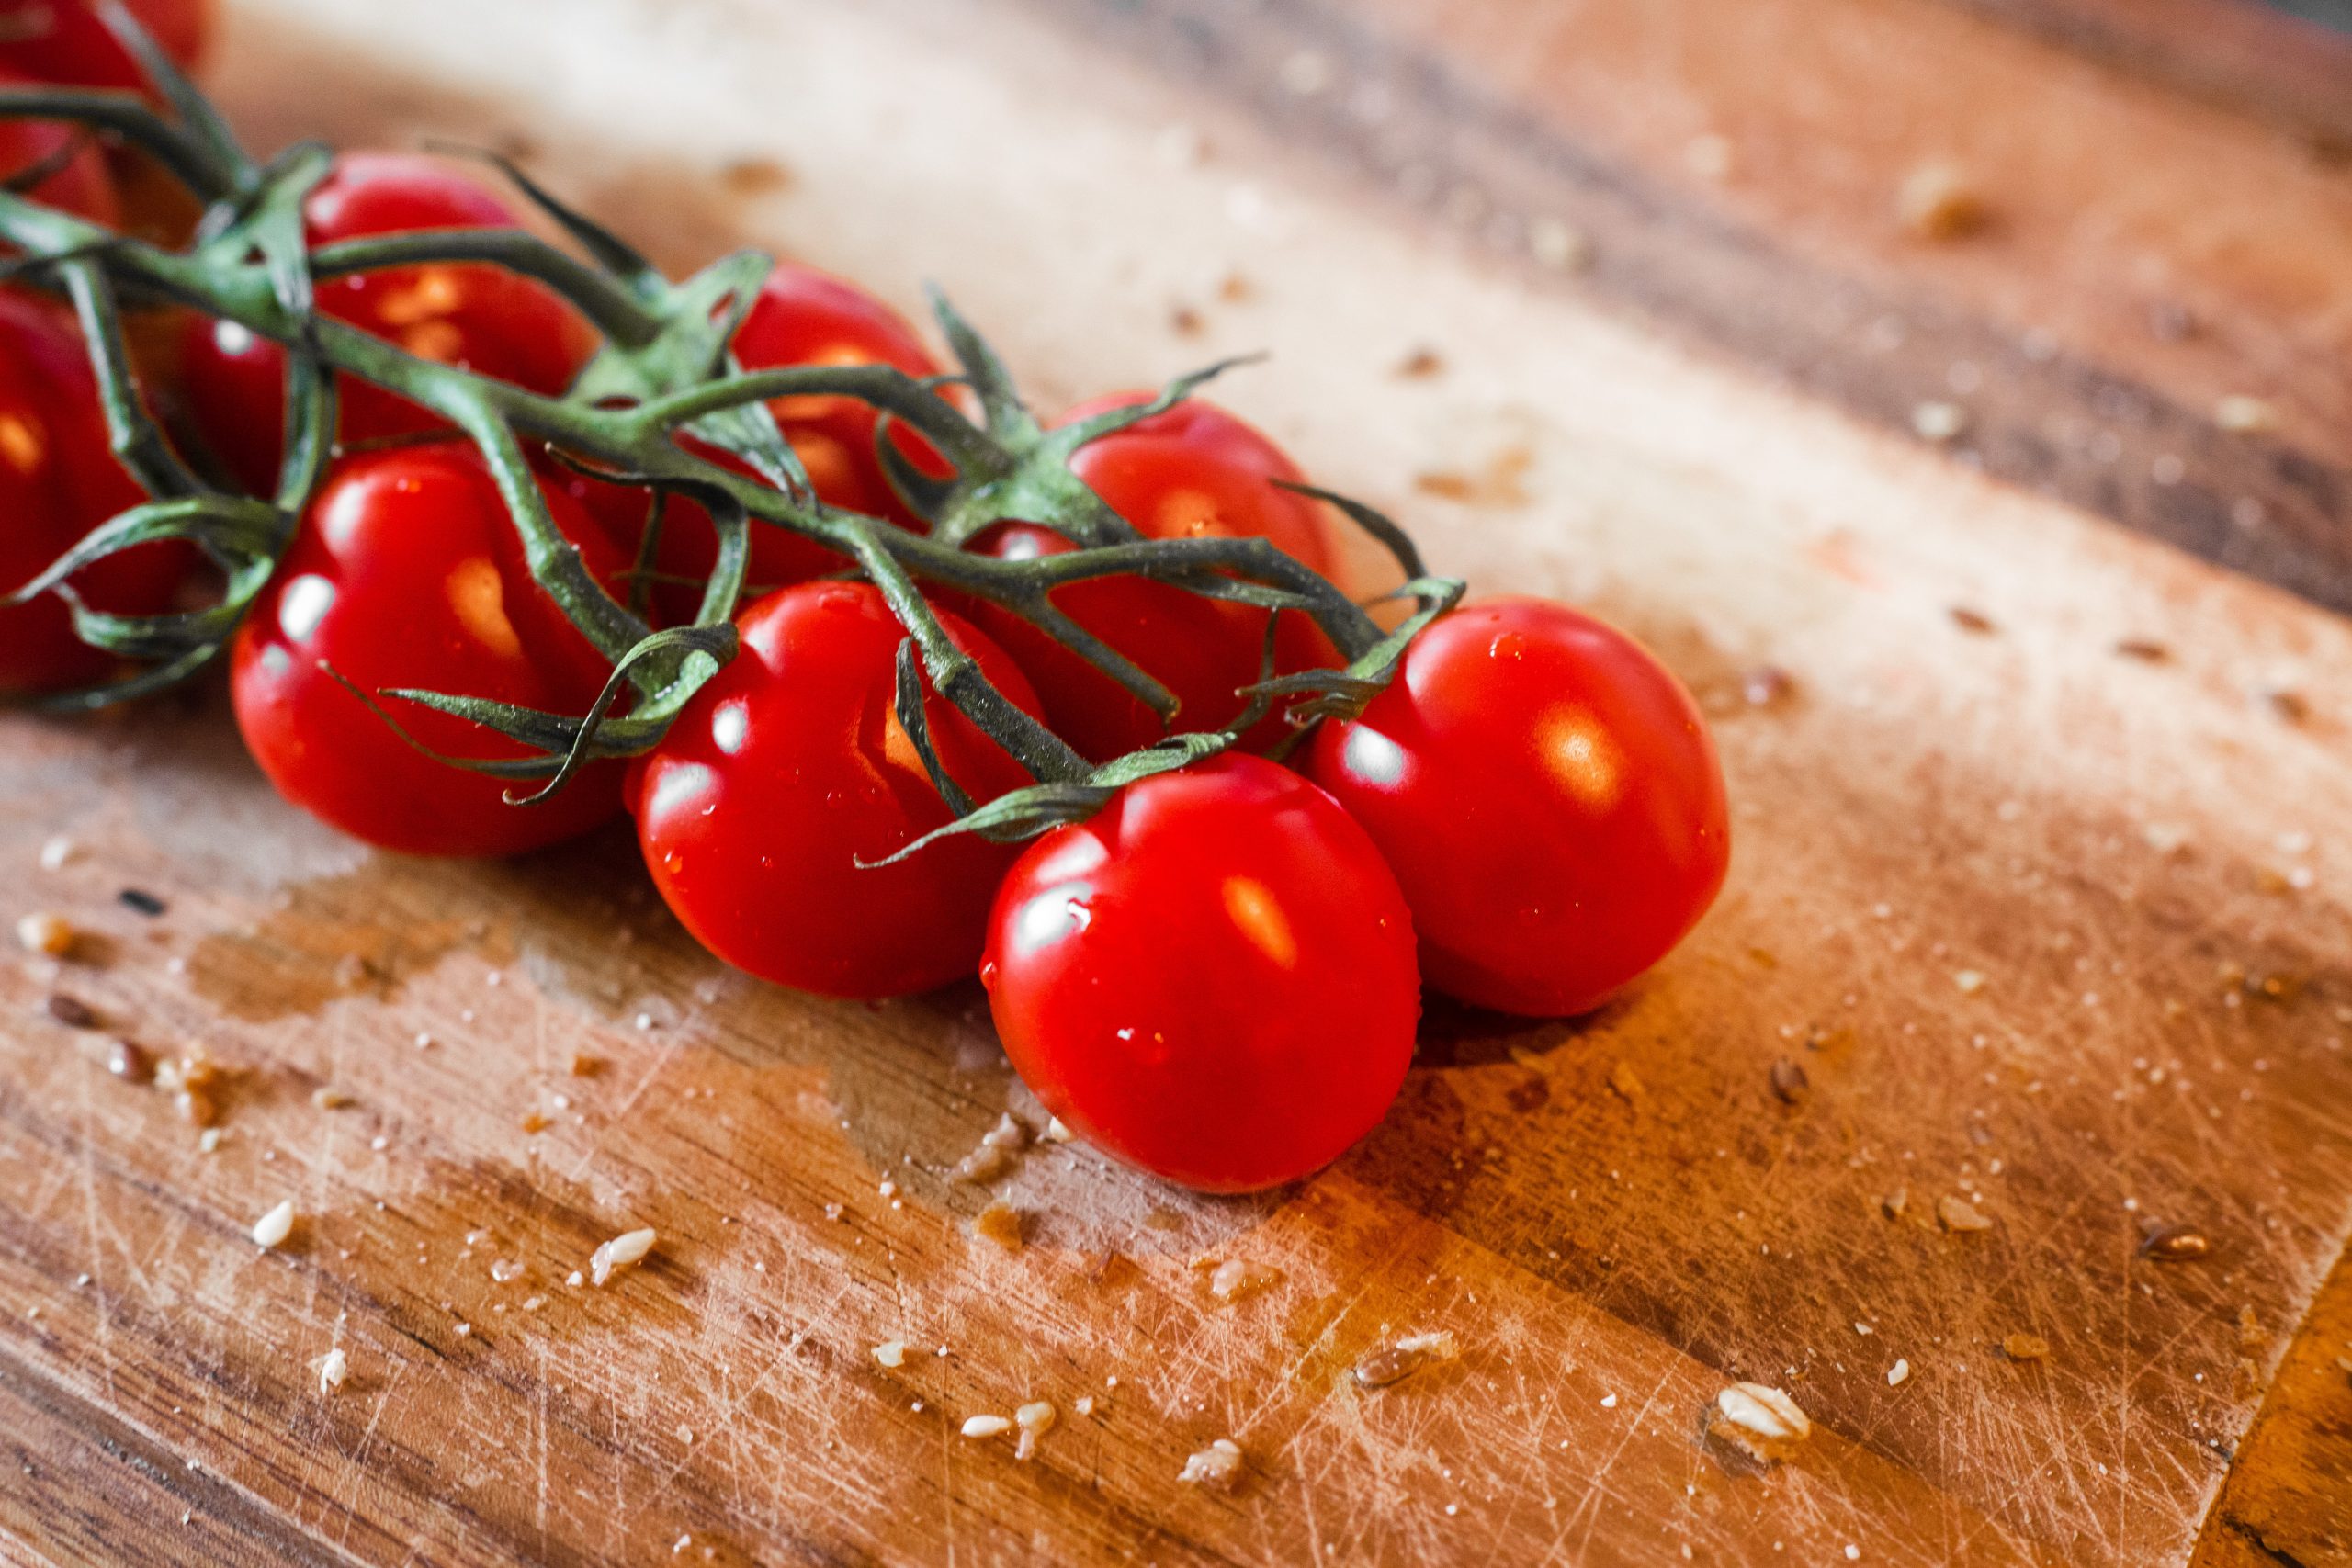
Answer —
1212 979
57 481
790 768
80 186
1190 472
407 572
63 41
477 316
803 316
1549 798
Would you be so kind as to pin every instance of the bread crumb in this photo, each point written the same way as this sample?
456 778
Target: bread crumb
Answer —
891 1353
1959 1214
987 1427
1897 1374
272 1229
1938 421
43 932
333 1370
1936 201
1218 1466
1035 1419
1238 1276
1058 1130
983 1164
1394 1363
1626 1082
1559 246
1969 980
2025 1347
1761 1419
1420 364
329 1098
1001 1223
628 1247
1085 1406
56 851
2175 1243
1710 157
2244 415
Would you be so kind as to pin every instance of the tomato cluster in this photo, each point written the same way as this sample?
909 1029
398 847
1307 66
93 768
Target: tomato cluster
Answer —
1216 977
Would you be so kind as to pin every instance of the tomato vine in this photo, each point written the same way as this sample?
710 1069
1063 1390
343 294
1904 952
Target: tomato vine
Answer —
663 371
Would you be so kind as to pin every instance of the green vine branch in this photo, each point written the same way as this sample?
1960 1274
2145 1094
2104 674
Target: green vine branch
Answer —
664 376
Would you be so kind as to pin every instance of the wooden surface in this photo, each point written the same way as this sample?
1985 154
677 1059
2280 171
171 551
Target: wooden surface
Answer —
2142 862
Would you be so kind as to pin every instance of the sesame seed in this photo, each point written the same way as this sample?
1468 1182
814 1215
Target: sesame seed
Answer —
274 1227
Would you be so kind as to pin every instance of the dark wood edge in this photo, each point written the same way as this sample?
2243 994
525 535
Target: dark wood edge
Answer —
1451 152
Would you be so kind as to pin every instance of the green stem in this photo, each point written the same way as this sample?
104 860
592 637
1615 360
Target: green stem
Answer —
616 313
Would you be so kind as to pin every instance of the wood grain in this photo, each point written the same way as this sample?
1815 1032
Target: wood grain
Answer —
2144 861
1737 174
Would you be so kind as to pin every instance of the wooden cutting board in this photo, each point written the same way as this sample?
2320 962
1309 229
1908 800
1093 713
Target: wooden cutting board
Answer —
2045 833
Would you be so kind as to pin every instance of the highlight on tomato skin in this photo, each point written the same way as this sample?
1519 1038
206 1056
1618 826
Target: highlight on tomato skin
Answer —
790 768
407 572
59 480
1193 471
1547 793
1213 979
474 315
802 317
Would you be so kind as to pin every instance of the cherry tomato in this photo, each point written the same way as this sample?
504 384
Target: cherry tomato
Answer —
80 185
1194 470
57 481
1549 798
1213 978
477 316
802 317
407 572
63 41
790 768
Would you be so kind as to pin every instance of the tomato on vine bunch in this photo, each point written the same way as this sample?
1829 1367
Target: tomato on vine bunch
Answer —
473 315
1194 471
1213 978
407 572
1549 798
790 769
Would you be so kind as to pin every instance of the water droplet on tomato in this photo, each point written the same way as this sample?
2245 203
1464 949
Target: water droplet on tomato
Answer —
1506 645
988 976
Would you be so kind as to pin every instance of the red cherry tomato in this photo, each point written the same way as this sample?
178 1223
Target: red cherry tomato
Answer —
63 41
1549 798
81 184
790 768
477 316
1194 470
407 572
59 480
802 317
1213 978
